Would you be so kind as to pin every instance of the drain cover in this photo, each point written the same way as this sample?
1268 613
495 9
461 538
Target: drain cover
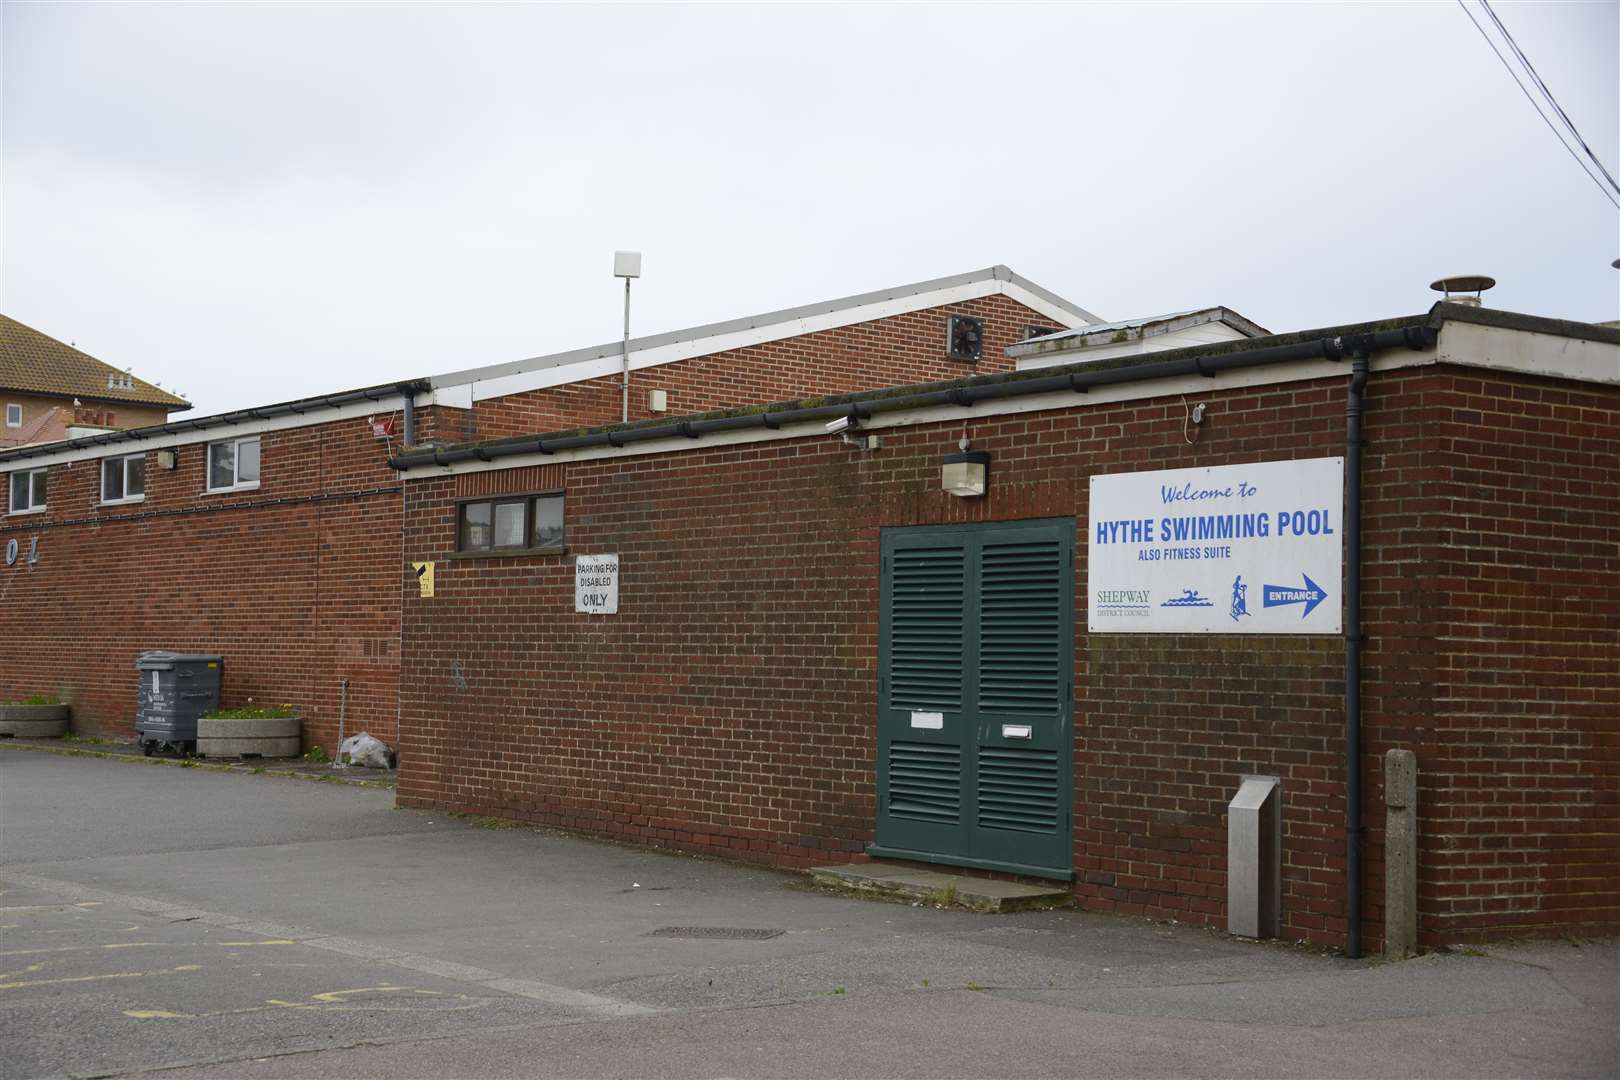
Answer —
728 933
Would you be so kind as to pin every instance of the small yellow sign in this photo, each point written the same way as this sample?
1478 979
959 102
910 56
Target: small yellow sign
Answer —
424 578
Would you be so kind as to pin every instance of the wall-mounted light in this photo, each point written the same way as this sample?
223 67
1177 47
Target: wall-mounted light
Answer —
966 473
168 459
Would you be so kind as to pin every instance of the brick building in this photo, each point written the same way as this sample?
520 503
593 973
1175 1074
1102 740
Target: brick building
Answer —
272 535
804 617
818 653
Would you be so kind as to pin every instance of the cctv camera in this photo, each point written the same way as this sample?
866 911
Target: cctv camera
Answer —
843 423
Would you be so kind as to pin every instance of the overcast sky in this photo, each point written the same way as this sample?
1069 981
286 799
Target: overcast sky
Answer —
257 203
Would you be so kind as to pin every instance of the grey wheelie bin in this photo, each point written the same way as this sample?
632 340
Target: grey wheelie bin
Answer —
176 689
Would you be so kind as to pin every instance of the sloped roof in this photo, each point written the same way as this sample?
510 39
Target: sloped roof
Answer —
39 364
576 365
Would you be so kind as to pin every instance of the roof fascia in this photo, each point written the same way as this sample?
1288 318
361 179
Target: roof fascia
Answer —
105 399
1497 340
1499 345
1443 312
1149 328
93 447
304 412
950 414
1078 315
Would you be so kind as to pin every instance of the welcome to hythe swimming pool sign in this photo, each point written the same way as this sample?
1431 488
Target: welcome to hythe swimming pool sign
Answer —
1232 549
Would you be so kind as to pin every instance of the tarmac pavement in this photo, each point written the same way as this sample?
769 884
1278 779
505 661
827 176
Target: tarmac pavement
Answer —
230 924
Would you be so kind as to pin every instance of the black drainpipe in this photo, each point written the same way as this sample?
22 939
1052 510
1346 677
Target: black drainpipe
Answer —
409 390
1352 648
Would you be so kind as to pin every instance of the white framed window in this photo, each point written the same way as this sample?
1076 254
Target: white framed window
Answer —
233 464
13 414
28 491
123 479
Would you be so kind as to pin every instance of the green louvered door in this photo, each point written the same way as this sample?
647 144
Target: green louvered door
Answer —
976 651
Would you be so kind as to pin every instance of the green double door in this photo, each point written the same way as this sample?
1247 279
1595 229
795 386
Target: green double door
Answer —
975 695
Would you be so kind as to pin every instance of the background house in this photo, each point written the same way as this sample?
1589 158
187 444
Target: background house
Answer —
51 391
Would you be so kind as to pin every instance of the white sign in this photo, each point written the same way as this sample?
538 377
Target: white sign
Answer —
596 584
932 721
1231 549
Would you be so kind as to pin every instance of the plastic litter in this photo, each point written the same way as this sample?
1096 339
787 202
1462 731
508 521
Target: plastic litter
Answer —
367 751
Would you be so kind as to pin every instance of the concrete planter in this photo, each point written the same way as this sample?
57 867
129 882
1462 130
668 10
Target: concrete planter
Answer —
270 738
34 721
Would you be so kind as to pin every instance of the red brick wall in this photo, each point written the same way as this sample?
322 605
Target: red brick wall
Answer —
296 583
730 705
1521 752
897 350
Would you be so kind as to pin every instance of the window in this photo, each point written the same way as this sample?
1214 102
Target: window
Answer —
123 479
13 414
964 338
28 491
510 524
1040 331
233 463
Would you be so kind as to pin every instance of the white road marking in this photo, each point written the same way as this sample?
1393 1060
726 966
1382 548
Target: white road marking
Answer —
564 997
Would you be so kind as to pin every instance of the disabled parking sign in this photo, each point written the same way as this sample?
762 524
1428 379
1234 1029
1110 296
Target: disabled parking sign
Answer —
1229 549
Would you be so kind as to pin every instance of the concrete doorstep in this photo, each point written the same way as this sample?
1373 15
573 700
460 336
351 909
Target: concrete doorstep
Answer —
946 890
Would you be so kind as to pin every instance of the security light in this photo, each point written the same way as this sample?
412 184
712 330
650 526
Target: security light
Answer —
966 474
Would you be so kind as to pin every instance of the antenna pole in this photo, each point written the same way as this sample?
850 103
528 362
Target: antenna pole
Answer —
626 264
624 386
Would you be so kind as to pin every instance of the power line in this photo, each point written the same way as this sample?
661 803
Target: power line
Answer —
1546 91
1537 106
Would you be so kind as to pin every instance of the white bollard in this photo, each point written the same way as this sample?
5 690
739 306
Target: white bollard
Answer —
1254 858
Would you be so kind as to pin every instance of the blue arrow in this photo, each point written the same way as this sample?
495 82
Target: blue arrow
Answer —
1311 595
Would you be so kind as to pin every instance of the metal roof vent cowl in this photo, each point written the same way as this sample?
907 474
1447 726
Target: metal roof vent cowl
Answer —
1463 289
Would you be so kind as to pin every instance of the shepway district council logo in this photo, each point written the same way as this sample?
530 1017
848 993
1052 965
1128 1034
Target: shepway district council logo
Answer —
1121 603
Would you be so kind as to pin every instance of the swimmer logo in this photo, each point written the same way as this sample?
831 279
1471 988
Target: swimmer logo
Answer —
1311 595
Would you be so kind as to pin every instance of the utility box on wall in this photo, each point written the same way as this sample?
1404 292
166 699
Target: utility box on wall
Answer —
1254 858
